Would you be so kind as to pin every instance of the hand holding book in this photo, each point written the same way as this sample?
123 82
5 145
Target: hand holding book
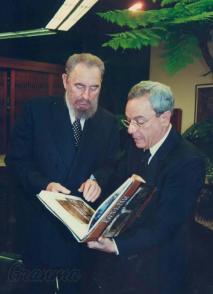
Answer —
103 244
57 187
90 189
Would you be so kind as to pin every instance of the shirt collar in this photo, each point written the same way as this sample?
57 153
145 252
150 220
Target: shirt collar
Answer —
155 148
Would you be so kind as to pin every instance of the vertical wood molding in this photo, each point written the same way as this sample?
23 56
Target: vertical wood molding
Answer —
176 119
3 110
12 98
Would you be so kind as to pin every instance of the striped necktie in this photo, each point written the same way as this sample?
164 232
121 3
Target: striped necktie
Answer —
77 131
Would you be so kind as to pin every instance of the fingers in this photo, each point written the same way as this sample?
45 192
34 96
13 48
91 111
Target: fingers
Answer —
56 187
101 239
91 190
81 189
93 245
103 244
99 244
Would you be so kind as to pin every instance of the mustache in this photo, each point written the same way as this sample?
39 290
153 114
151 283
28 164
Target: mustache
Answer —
89 112
81 100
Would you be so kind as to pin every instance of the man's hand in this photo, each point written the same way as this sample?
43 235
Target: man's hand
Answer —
56 187
90 189
103 244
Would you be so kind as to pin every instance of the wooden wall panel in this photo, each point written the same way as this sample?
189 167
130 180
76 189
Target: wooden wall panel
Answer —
55 84
19 81
3 110
176 119
25 85
30 65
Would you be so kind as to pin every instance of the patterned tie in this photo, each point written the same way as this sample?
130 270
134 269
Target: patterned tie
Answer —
77 131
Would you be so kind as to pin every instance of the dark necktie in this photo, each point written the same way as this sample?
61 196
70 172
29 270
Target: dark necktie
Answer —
144 162
77 131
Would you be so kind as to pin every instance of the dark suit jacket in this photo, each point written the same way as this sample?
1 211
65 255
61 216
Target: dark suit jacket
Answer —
159 237
42 151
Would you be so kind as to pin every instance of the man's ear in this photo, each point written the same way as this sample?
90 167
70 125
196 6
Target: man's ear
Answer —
165 118
64 79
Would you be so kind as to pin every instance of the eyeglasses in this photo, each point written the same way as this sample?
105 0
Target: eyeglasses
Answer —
136 123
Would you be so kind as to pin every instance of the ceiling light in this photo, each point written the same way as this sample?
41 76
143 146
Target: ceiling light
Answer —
136 6
62 14
26 34
69 13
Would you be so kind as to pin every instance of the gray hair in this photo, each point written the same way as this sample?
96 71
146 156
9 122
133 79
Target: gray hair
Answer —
85 58
159 95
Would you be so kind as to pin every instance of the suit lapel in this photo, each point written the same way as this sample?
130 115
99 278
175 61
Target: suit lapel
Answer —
87 139
161 158
62 131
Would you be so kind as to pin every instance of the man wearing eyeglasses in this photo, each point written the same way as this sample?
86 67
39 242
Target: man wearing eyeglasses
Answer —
164 159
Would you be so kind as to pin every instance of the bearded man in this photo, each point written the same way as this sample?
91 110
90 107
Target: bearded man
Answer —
62 144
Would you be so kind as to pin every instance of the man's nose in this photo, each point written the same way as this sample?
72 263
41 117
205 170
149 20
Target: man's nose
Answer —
132 128
86 93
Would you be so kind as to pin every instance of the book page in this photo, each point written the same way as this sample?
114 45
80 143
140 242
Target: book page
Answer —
77 209
105 206
71 210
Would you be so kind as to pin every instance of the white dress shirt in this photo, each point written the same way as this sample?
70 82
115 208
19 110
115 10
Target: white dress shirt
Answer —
155 148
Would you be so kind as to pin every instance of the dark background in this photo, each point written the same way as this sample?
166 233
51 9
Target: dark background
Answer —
123 68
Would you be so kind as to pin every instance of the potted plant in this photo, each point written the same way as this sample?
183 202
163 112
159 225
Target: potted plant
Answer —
201 135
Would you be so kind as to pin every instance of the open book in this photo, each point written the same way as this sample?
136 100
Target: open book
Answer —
114 215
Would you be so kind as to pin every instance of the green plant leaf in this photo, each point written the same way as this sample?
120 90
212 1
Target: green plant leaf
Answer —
180 50
178 23
167 2
136 39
